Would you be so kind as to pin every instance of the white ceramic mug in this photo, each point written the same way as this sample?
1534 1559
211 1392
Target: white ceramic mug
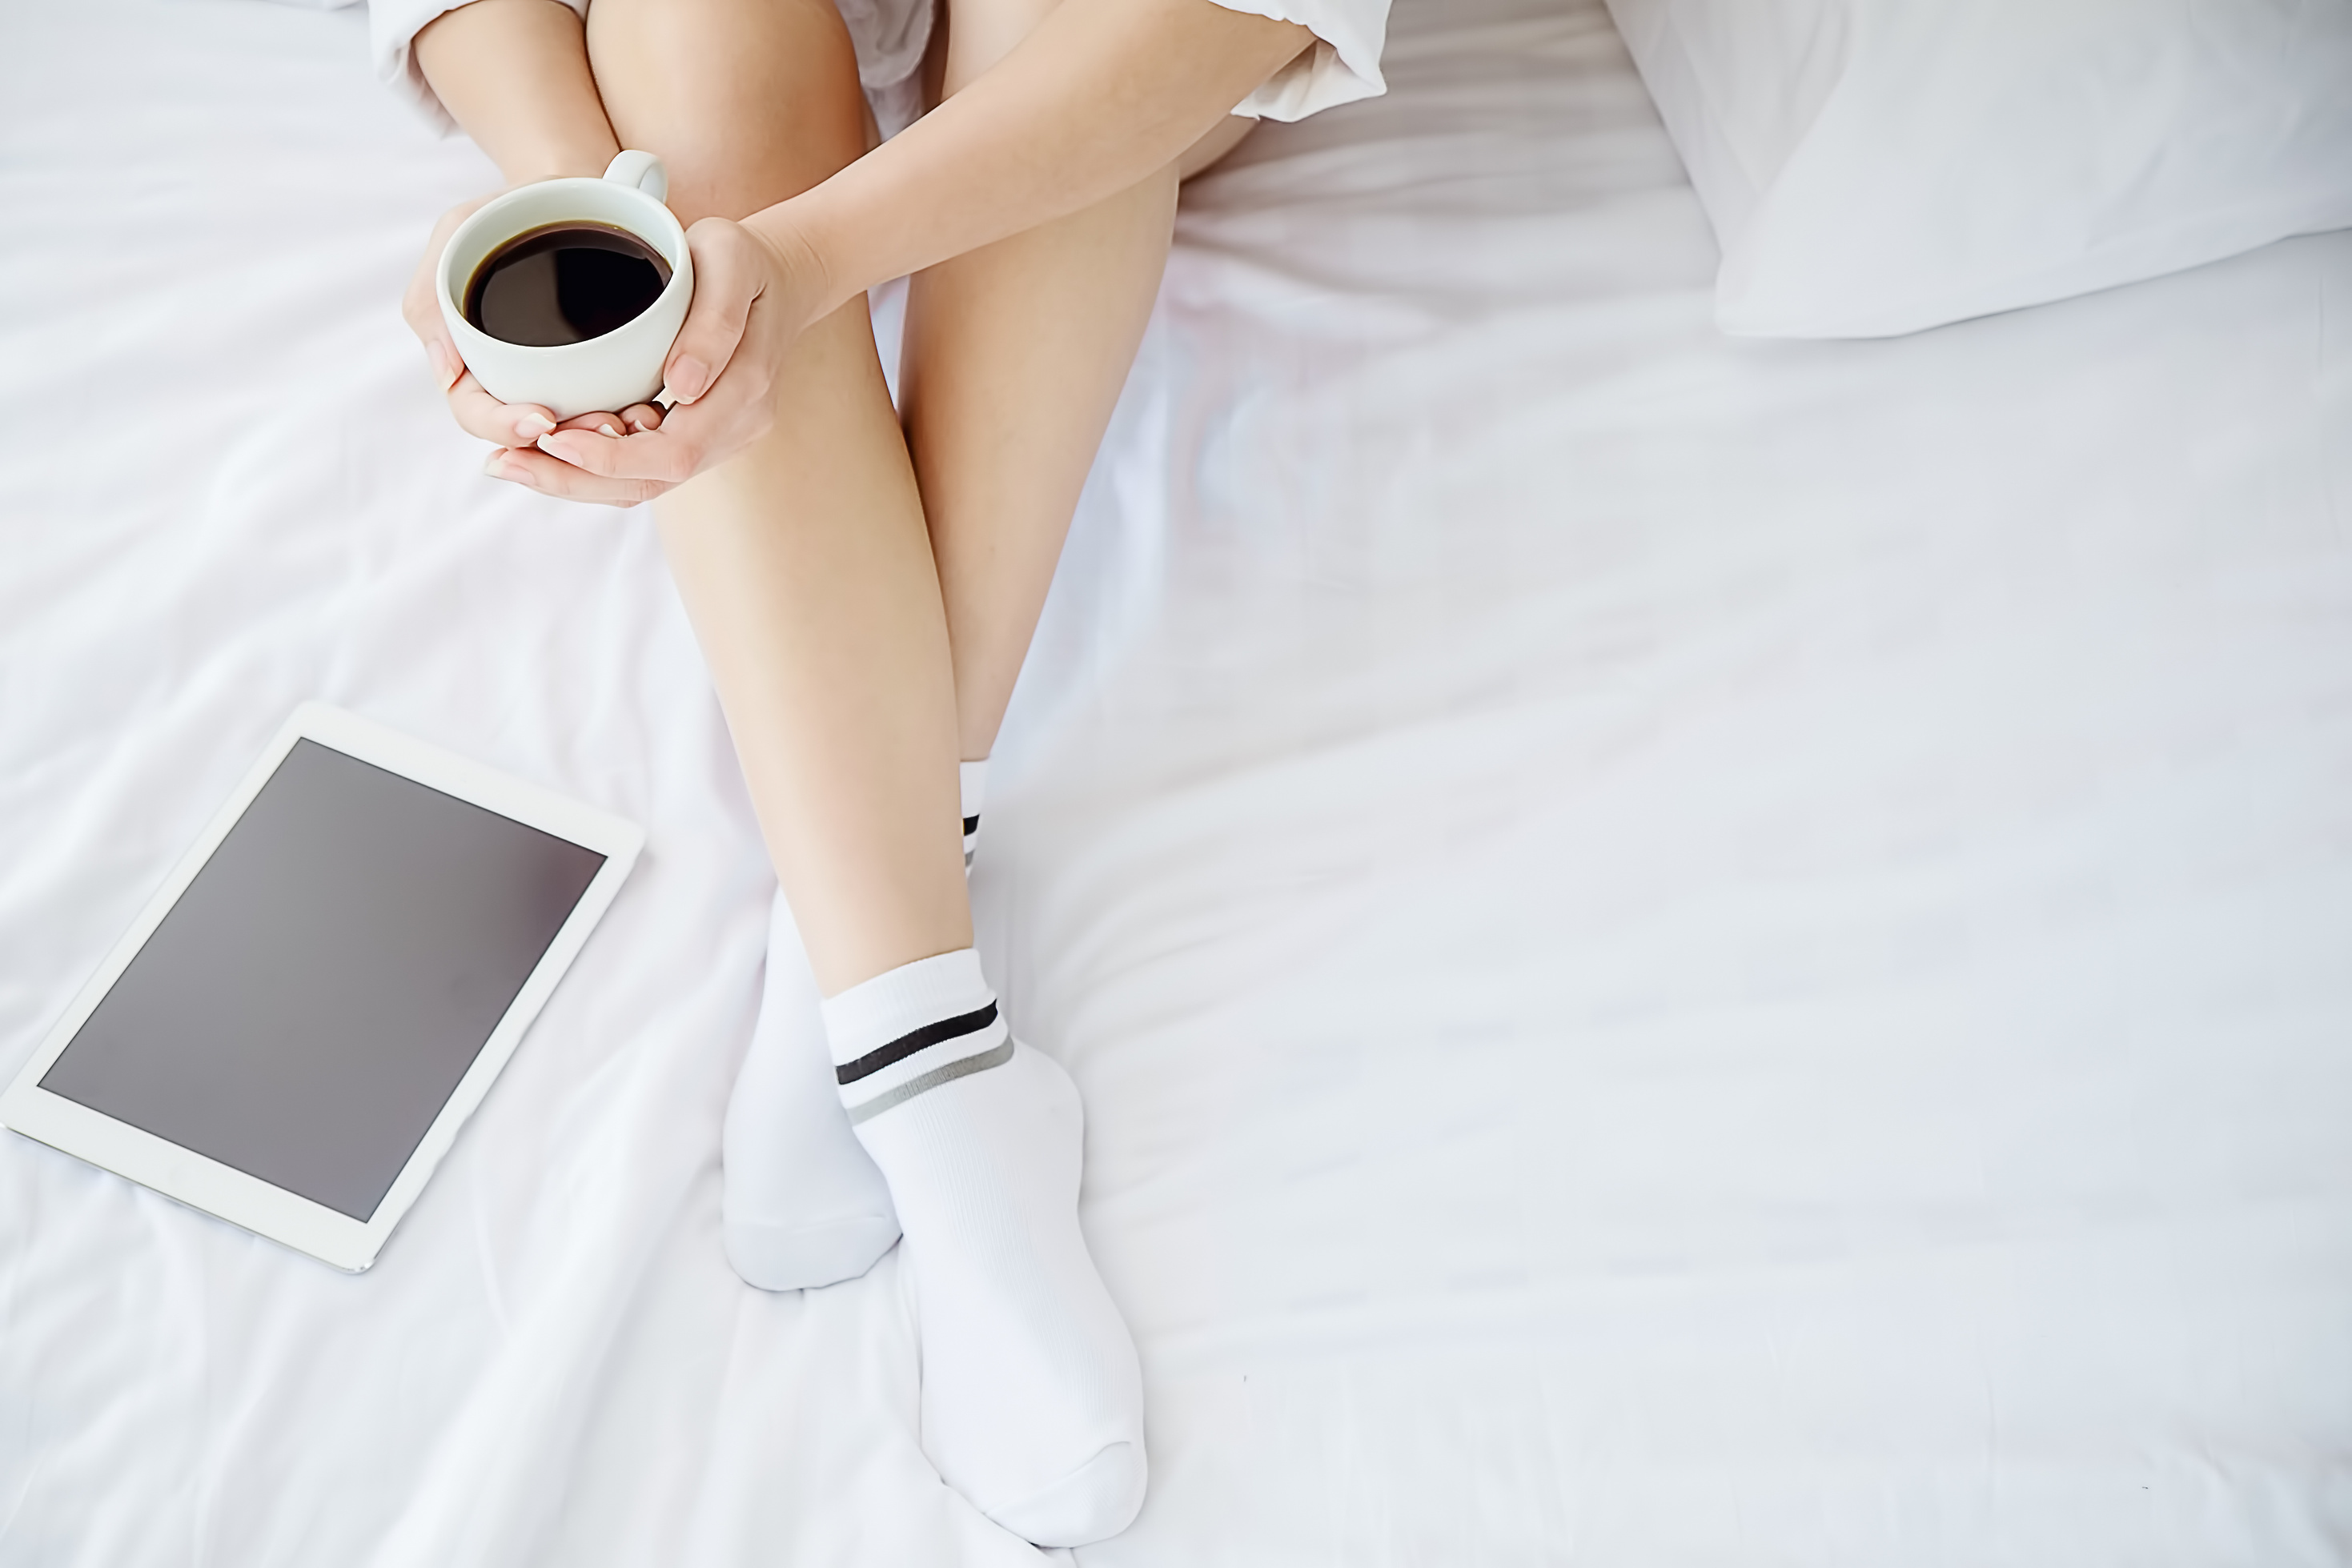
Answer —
605 373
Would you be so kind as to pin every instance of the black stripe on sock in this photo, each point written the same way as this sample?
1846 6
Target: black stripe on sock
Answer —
907 1044
971 823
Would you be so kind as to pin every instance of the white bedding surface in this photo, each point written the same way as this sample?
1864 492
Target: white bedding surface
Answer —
1680 952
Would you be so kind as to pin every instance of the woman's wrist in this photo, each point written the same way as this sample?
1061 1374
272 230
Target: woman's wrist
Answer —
802 269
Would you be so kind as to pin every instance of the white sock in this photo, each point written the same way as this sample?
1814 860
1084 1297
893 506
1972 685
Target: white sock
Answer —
1033 1398
974 777
802 1202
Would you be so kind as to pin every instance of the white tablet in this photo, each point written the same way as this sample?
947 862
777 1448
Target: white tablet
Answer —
293 1031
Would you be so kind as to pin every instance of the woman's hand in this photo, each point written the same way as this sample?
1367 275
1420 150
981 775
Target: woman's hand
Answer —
752 298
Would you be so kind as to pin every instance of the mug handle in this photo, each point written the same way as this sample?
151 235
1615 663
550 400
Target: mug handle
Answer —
641 171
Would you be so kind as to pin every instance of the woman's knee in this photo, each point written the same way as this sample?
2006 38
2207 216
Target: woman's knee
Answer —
748 102
981 32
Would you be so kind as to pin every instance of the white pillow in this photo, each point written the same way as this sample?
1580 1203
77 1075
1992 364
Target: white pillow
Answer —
1878 166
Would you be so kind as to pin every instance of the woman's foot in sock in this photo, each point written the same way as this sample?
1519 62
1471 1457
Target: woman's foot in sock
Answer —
1033 1397
802 1203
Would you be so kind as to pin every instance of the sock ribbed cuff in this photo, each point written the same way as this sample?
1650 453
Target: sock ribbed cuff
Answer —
908 1031
973 779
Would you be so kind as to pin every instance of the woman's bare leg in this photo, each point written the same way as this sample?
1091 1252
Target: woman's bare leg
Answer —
804 562
1014 357
806 565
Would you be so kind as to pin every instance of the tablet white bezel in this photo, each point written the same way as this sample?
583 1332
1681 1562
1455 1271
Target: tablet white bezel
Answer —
248 1200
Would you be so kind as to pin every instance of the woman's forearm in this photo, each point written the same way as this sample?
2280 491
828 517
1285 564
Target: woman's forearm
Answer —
515 74
1098 95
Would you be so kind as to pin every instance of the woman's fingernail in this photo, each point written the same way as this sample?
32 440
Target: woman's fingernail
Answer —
546 443
439 353
686 378
496 467
531 427
607 429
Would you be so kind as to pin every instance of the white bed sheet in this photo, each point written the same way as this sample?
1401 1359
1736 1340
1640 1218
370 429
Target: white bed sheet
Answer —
1680 952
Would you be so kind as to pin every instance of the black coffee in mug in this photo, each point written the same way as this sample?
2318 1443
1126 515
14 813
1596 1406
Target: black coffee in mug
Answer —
564 283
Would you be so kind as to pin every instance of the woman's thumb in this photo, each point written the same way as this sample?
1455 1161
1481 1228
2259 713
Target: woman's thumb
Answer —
727 281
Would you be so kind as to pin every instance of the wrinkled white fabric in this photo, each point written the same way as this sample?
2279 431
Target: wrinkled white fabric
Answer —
1341 66
1678 952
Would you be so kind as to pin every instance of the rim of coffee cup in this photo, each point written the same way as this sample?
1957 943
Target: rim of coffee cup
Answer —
670 241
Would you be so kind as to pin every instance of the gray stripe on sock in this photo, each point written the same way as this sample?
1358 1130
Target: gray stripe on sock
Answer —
932 1080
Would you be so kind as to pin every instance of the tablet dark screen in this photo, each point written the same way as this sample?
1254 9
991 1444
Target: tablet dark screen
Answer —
310 1002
